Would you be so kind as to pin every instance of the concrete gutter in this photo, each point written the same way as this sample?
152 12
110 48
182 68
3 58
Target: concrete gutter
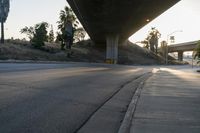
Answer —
126 124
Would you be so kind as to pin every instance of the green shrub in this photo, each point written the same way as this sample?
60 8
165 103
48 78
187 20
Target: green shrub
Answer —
37 34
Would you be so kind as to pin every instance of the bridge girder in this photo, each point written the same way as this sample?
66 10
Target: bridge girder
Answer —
111 22
120 17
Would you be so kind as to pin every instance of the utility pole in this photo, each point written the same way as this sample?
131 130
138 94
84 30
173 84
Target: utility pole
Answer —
166 57
4 10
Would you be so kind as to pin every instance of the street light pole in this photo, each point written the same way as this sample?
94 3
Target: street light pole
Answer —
168 44
172 33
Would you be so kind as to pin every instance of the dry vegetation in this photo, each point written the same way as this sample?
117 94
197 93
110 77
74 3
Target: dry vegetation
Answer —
82 52
22 50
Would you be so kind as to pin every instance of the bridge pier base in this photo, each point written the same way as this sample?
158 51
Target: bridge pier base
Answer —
112 42
180 55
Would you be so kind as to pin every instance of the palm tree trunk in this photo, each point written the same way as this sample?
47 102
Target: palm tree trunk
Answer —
2 32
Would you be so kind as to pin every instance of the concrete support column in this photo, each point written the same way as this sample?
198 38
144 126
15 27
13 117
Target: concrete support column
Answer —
180 55
124 43
112 49
2 32
164 50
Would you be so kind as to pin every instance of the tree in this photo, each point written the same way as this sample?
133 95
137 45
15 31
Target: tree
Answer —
4 10
40 35
197 52
37 34
79 34
153 37
51 35
59 38
66 16
29 31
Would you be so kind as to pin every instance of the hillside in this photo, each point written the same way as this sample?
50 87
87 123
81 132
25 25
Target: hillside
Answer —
82 52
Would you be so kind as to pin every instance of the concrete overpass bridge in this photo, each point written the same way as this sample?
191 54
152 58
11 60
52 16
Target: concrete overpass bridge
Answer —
182 47
111 22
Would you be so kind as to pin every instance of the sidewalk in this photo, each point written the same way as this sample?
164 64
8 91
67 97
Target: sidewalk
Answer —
169 103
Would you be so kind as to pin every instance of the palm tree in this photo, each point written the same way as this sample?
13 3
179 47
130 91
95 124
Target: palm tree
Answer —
4 10
153 37
66 16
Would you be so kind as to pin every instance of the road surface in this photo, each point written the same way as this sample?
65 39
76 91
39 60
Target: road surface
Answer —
63 98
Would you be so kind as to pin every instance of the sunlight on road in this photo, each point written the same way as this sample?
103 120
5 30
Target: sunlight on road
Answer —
174 83
155 70
185 74
38 75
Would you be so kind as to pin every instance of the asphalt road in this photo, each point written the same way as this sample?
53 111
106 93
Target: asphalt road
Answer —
57 98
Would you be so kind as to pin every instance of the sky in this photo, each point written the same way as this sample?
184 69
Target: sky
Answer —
184 16
30 12
183 20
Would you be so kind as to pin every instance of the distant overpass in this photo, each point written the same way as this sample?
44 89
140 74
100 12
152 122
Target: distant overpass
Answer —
182 47
111 22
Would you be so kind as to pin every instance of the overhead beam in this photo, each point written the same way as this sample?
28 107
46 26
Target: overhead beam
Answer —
122 17
187 46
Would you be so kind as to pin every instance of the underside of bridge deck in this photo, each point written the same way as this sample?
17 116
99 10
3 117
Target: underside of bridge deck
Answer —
117 18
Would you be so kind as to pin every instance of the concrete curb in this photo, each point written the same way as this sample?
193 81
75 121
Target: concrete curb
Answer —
126 124
33 61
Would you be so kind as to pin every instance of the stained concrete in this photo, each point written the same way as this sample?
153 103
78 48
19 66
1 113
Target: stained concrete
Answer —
169 103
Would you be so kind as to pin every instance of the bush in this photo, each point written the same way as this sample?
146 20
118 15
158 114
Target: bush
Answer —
37 34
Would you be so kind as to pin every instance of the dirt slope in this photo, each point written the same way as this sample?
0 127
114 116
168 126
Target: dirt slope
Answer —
82 52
